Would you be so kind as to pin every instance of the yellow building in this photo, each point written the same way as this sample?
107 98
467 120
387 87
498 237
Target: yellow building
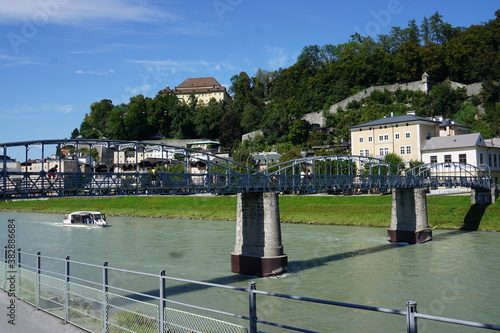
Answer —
202 88
401 135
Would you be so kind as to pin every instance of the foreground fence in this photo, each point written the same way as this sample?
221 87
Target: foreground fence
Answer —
100 304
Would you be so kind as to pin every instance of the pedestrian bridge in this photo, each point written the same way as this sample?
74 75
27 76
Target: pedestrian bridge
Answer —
141 168
110 167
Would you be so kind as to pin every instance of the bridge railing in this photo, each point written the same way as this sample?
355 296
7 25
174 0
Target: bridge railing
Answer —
101 298
339 173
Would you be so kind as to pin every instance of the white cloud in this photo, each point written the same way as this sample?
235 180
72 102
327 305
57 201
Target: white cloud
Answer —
142 89
108 72
175 65
59 108
10 61
69 12
28 112
279 57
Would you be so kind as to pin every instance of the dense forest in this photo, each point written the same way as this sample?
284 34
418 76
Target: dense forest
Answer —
276 101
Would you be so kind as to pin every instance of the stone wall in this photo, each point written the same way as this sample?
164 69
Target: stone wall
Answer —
423 85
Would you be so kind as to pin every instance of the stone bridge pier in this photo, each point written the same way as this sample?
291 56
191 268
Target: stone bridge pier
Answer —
409 222
258 249
483 197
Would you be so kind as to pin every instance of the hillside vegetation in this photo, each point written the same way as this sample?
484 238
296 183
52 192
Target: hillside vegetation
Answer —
275 101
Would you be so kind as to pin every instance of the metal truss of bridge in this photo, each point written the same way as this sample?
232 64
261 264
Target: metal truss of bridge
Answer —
142 168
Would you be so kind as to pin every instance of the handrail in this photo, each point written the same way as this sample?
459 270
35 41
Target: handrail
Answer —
411 313
218 175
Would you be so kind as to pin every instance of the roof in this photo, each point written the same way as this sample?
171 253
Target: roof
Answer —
199 82
495 142
393 120
452 123
455 141
204 142
196 86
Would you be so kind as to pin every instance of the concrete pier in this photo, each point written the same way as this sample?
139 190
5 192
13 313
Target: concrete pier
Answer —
483 197
409 222
258 249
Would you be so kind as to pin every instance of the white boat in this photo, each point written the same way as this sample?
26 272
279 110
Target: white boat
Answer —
85 219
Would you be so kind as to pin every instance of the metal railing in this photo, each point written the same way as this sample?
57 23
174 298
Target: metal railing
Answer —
101 304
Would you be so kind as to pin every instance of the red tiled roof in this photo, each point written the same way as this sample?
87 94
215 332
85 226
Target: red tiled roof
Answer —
199 82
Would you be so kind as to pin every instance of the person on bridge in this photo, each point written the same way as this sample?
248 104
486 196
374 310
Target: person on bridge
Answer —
52 172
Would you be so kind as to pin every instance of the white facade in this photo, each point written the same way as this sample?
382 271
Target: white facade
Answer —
469 148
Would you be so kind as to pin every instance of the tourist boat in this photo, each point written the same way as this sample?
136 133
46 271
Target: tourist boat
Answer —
85 219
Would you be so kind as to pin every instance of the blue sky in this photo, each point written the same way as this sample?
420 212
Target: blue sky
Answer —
59 56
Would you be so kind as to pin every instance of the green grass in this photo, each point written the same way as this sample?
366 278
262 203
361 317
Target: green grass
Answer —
444 212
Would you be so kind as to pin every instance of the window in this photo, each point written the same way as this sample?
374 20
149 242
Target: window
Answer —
462 158
383 137
407 135
360 139
383 151
367 152
447 158
408 149
434 159
481 158
495 160
396 136
489 160
402 150
370 139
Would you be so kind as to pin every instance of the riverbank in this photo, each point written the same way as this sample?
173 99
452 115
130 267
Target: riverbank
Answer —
444 212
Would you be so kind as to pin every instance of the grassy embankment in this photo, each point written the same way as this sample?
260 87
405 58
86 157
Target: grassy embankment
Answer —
444 212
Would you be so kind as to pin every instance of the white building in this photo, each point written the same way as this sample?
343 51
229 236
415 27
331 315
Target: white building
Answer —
467 148
203 89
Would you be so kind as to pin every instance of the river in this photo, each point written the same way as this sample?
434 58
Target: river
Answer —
456 275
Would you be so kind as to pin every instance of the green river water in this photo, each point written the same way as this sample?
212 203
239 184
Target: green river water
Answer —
456 275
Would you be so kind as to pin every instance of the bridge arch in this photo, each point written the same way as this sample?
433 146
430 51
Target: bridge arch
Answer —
449 174
122 167
332 173
136 167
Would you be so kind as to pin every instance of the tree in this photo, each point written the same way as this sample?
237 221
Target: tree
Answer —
445 100
207 119
135 120
87 129
182 125
75 133
116 126
160 111
230 130
251 117
298 132
99 114
397 163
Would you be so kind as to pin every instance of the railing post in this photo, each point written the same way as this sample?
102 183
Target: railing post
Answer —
5 267
37 286
252 303
162 302
18 284
105 297
4 171
411 320
66 290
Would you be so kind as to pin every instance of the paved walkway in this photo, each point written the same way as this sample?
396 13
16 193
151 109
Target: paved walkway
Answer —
29 320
